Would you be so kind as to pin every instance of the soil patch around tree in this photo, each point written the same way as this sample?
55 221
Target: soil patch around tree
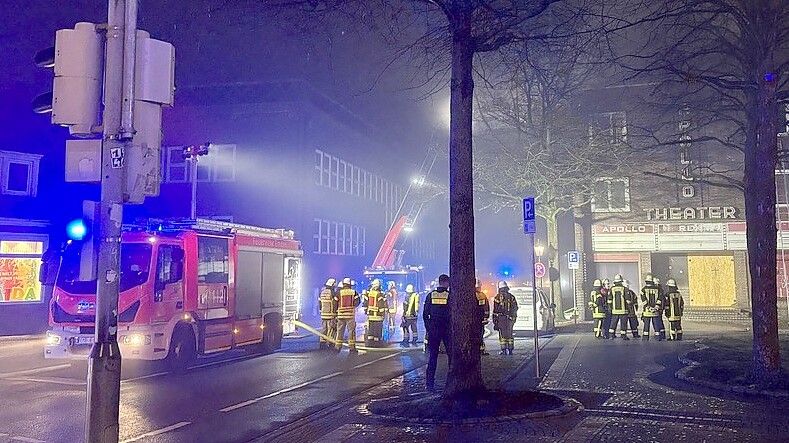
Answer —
482 407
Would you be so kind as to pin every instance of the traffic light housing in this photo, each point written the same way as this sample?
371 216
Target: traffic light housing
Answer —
81 233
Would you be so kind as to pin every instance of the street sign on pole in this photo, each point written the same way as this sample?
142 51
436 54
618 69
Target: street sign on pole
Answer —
529 225
573 260
539 270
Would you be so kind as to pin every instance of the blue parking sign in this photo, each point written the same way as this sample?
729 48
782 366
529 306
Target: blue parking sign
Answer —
529 212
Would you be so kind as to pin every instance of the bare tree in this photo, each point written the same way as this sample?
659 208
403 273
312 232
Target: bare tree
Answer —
733 54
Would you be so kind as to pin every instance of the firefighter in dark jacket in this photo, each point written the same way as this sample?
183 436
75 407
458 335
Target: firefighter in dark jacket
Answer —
598 305
652 300
347 300
675 305
484 314
375 307
328 304
436 315
505 312
632 310
617 305
410 316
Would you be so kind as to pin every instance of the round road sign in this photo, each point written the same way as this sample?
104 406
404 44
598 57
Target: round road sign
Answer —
539 270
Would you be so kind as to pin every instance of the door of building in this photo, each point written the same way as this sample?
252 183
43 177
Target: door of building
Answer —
711 281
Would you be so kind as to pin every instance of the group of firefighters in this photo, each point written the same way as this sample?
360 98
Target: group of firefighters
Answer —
616 305
338 304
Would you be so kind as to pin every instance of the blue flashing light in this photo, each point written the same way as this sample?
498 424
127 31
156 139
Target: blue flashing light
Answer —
77 229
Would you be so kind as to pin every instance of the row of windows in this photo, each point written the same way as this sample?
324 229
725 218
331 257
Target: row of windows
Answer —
423 249
608 127
335 238
335 173
218 166
611 195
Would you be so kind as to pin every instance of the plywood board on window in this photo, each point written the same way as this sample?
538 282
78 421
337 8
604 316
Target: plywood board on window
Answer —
711 281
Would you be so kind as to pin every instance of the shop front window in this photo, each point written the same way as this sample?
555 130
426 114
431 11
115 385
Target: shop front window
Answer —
19 267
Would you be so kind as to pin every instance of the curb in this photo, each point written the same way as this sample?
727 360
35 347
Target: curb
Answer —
15 338
569 405
684 375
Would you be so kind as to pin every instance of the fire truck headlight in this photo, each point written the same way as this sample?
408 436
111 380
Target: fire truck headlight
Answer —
52 339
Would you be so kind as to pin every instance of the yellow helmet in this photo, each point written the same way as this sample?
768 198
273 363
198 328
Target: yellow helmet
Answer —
409 288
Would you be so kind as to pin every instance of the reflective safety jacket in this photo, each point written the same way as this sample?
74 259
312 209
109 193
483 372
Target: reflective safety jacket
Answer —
347 301
652 300
632 302
328 303
375 305
597 303
674 305
436 310
617 300
411 306
484 306
505 307
391 300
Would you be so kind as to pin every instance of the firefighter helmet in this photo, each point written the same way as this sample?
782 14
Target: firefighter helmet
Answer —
376 283
353 283
656 280
503 285
346 281
391 284
606 282
649 279
618 278
409 288
331 282
597 283
671 282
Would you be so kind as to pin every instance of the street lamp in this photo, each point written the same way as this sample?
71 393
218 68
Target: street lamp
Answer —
539 249
191 154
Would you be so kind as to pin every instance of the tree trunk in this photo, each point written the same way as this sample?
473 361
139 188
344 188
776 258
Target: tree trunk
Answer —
465 372
760 161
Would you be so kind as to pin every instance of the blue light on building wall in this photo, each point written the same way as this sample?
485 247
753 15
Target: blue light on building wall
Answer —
77 229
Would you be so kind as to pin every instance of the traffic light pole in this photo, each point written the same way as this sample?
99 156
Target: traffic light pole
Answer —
104 363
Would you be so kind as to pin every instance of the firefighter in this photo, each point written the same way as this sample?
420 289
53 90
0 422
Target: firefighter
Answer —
375 308
652 299
347 300
617 304
328 304
675 305
607 320
632 310
436 316
391 301
410 316
599 307
505 312
484 314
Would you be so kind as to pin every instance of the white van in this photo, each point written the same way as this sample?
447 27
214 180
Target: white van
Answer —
524 295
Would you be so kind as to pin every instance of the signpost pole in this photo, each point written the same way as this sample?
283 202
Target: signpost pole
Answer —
575 301
529 228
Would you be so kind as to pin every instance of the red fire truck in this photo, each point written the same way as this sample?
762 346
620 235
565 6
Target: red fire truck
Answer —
186 289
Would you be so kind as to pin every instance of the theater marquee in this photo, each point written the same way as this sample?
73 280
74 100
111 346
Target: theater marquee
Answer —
697 213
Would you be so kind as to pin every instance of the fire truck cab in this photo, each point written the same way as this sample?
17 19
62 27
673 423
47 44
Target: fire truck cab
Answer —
186 289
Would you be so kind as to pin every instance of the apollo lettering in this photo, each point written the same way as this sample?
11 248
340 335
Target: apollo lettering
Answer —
623 229
699 213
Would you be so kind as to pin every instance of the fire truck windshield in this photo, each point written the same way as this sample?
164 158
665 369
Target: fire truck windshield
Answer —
135 266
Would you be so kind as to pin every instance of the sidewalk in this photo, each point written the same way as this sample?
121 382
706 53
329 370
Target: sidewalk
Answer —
628 390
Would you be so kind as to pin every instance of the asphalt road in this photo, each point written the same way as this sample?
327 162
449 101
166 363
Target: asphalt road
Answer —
235 397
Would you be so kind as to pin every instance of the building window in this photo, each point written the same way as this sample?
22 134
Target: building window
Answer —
212 260
341 176
20 261
337 238
177 171
19 173
611 195
609 127
357 181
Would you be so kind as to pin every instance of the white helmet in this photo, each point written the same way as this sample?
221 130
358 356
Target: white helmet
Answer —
618 278
656 280
353 283
391 284
649 279
409 288
597 283
376 283
331 282
346 281
671 282
503 285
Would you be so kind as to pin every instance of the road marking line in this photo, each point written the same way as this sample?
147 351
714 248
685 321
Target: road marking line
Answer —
143 377
158 431
299 386
55 381
35 371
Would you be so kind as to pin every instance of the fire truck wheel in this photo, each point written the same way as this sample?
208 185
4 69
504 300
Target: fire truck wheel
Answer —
182 350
